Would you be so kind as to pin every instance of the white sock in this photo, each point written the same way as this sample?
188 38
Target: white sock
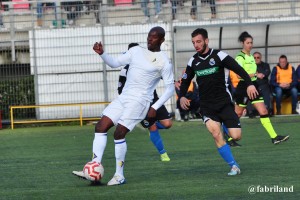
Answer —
99 145
120 152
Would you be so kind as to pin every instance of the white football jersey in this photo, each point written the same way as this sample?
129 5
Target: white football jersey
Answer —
145 71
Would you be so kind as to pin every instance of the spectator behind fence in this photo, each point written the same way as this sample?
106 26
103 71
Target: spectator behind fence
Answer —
146 11
212 4
1 19
40 8
73 9
284 82
95 6
174 4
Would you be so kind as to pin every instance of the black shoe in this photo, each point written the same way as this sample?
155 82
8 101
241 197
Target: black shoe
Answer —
294 112
251 115
233 143
278 112
279 139
270 112
186 117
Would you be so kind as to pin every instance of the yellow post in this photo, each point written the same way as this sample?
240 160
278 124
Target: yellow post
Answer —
11 118
81 119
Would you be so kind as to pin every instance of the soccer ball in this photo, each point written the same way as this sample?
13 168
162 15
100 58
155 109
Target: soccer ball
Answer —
93 171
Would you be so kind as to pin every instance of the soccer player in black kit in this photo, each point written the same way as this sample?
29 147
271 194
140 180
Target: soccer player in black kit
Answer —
211 68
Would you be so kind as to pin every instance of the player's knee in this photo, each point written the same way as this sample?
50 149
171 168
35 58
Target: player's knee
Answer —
216 134
236 137
103 125
235 134
120 132
239 114
119 135
263 112
167 123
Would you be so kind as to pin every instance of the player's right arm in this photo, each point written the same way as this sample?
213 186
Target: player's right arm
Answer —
121 60
185 83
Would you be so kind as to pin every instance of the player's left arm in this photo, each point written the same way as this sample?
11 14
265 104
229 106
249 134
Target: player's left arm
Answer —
168 78
122 78
231 64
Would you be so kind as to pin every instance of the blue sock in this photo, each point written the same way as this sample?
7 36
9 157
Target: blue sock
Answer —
226 154
159 125
225 129
157 141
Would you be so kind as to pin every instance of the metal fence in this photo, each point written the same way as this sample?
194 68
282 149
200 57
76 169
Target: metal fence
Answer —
53 62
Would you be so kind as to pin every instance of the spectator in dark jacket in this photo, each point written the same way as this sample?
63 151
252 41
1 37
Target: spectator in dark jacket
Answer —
298 77
263 72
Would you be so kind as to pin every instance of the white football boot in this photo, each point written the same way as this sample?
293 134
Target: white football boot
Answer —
235 170
117 180
79 174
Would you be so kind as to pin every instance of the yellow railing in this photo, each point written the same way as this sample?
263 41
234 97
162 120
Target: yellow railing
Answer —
80 119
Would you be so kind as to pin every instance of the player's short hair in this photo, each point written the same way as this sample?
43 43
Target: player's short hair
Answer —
283 56
132 45
257 52
159 30
200 31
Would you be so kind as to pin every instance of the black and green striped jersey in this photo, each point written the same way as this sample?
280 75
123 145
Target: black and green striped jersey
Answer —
212 71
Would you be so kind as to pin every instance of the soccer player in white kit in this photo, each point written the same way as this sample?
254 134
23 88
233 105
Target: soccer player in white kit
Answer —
147 67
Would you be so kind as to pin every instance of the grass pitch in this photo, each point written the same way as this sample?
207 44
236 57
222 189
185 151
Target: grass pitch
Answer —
36 163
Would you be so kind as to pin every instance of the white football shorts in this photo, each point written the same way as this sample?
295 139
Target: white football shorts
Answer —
127 112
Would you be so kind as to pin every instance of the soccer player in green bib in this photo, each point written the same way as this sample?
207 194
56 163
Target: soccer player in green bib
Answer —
246 60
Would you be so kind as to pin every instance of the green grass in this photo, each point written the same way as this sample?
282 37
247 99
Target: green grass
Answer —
36 163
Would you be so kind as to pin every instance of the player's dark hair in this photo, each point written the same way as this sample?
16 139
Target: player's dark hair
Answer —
243 36
200 31
132 45
160 31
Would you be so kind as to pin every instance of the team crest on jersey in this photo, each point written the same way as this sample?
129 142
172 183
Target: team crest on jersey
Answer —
212 62
184 76
146 123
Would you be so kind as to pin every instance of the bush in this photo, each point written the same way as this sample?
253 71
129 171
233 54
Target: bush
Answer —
19 91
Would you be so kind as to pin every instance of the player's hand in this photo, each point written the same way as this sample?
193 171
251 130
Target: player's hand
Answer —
284 85
98 48
260 75
252 92
151 114
184 103
177 85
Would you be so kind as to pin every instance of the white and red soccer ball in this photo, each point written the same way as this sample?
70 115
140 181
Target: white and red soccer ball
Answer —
93 171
